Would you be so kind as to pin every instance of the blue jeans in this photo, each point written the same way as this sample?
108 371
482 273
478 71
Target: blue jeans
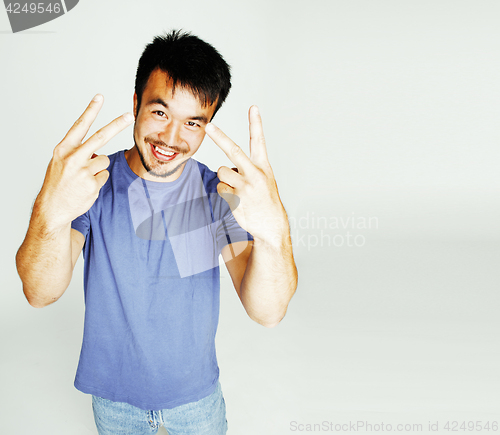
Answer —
204 417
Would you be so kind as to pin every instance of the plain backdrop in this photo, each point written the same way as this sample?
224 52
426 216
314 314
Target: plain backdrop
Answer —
381 119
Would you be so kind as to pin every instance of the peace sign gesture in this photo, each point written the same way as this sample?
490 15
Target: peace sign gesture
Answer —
75 174
251 189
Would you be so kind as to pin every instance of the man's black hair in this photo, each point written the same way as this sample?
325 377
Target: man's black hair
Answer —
190 62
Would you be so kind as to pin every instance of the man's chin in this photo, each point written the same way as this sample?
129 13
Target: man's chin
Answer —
165 169
158 169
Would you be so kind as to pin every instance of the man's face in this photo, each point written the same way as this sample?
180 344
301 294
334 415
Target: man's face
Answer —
168 129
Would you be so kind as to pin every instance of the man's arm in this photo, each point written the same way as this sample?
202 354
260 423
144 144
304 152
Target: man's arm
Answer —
265 278
46 260
75 175
264 274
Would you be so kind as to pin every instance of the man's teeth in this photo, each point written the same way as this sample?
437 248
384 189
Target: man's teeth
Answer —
165 153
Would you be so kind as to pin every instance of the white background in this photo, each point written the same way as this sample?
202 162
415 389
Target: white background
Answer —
372 109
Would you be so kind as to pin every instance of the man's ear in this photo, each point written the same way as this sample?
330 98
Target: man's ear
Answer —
135 104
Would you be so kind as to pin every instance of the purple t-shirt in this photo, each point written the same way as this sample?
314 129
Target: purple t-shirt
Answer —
151 281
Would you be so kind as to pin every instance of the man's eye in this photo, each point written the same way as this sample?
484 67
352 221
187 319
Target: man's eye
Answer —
159 112
192 124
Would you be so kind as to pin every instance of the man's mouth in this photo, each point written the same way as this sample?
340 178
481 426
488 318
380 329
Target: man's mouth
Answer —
162 154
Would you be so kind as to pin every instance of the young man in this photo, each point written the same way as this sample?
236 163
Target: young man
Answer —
152 222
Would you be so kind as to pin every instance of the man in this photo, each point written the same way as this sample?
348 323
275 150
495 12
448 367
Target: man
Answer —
152 222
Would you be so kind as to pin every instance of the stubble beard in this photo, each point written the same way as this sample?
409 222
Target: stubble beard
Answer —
155 172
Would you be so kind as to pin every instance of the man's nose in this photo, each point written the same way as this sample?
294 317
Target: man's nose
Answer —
171 135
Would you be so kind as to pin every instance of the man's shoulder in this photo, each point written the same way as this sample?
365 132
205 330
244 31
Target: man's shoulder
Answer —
115 162
208 176
114 156
115 169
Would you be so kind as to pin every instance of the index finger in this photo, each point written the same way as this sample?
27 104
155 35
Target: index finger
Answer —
258 151
103 136
232 151
82 125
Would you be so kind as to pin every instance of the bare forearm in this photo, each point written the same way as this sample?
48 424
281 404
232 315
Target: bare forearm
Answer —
74 177
44 259
270 280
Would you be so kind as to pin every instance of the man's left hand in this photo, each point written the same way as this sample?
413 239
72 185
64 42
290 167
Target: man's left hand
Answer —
251 192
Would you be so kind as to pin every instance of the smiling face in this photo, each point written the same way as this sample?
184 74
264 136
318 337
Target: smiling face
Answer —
169 129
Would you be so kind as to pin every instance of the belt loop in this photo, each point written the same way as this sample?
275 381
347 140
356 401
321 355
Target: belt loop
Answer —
161 418
152 420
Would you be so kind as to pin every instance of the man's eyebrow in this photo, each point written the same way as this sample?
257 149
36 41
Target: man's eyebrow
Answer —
201 118
158 101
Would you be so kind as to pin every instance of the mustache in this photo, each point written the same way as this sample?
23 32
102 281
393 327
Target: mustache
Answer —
160 143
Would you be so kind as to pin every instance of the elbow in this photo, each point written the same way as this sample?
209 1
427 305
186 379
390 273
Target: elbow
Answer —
34 301
38 292
272 320
36 304
266 324
270 323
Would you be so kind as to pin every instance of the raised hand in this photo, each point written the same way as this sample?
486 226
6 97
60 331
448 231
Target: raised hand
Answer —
251 191
75 174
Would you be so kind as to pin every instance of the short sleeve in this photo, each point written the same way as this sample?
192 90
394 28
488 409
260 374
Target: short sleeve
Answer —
228 229
82 224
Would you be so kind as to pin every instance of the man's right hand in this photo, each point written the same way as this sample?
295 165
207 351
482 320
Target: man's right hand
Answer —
75 174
